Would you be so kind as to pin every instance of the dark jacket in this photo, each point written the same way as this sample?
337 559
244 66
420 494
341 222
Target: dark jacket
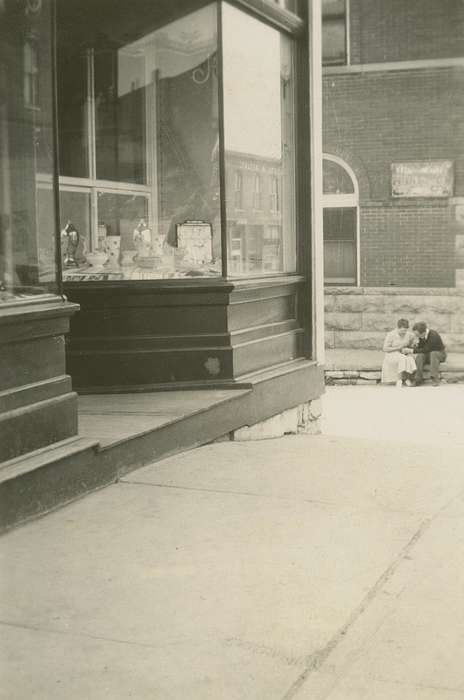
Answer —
431 343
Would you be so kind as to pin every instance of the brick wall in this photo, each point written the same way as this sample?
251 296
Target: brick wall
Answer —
407 246
402 30
395 116
374 119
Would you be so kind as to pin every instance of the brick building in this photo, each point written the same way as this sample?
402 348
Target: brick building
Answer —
393 99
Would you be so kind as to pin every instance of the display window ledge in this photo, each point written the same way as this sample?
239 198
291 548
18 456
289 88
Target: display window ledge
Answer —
183 284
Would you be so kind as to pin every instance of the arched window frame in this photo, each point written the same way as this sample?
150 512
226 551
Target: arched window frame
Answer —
351 200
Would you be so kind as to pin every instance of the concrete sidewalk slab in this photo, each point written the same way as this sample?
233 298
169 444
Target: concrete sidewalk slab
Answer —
315 568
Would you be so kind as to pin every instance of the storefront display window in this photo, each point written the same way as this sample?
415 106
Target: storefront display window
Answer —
259 126
141 144
27 195
152 121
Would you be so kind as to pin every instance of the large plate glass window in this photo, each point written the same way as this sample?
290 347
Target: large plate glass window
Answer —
139 153
259 145
27 194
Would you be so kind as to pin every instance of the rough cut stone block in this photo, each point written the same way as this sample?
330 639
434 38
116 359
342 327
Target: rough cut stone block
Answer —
366 381
405 291
378 322
457 324
282 424
375 374
342 374
315 409
454 342
329 340
329 303
337 291
308 417
421 305
355 304
343 321
460 278
359 340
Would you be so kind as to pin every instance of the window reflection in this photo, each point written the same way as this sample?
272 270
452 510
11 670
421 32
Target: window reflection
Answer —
147 112
259 143
27 223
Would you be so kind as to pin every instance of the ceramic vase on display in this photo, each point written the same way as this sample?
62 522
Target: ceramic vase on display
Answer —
97 258
113 250
142 240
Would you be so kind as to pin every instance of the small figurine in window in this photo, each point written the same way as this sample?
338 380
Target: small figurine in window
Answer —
69 242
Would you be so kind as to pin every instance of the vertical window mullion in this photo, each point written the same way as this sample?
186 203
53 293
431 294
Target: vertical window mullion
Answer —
222 157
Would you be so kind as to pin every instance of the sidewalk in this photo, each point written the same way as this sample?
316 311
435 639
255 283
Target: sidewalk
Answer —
305 568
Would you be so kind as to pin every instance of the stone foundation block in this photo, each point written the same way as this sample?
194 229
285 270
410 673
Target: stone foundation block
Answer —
343 373
356 304
378 322
283 424
301 419
329 303
460 278
329 340
309 415
371 375
421 306
454 342
356 340
457 324
343 321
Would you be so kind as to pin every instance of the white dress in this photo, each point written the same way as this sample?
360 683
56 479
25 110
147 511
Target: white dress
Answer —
394 361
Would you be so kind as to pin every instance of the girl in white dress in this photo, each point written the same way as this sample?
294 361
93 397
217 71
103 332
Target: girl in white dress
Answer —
399 364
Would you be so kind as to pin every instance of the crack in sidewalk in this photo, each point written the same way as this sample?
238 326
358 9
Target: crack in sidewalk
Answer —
316 660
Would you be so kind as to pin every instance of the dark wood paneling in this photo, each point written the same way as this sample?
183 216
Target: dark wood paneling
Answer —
251 313
37 406
269 351
17 397
31 361
126 335
135 368
135 321
32 427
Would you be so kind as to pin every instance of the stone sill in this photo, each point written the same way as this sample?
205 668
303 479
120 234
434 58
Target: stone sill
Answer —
396 291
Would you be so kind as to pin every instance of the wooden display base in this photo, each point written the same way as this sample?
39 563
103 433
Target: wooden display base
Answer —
37 405
152 334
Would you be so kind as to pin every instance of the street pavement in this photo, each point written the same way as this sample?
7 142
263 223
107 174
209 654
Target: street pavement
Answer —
325 567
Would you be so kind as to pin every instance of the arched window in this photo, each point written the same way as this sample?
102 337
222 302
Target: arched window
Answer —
341 222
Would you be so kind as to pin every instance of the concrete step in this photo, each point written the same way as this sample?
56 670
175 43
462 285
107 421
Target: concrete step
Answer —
122 432
364 367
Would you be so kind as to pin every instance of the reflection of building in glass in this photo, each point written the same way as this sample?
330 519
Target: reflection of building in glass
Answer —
253 217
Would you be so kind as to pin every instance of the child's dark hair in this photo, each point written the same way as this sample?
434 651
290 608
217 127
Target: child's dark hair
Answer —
403 323
420 327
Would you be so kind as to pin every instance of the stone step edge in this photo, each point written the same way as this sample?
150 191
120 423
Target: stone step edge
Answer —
363 376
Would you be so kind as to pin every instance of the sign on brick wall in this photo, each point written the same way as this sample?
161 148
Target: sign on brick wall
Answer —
423 178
